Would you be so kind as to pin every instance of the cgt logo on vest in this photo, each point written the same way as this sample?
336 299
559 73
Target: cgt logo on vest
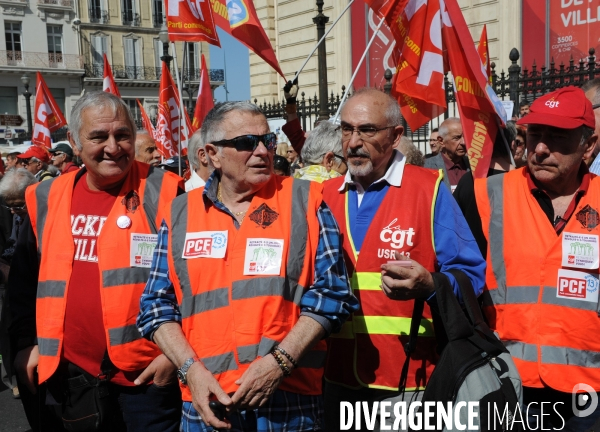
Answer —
397 239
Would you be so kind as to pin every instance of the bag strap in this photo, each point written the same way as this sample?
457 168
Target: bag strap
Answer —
456 325
410 346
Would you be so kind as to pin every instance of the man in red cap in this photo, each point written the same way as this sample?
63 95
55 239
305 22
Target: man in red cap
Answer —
35 160
542 227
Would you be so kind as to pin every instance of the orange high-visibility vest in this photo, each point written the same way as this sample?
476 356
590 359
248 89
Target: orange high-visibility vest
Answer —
369 351
121 286
231 318
552 338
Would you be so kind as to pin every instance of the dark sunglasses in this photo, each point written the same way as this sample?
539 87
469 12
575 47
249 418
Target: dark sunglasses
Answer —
249 142
595 106
15 208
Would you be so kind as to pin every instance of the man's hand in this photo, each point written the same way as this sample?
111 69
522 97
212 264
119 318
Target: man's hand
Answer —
161 371
406 283
203 385
290 92
25 364
258 383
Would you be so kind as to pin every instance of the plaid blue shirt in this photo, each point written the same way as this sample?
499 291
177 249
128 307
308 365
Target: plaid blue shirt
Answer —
329 301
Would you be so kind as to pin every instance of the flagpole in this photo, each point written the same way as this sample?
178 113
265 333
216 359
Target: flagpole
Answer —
181 111
362 59
322 39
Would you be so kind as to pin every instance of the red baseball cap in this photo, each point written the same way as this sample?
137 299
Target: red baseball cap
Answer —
36 152
566 108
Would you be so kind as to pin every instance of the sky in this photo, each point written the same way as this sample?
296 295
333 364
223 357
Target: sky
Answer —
238 67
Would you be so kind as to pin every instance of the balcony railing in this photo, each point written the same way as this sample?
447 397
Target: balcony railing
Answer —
65 3
98 16
149 73
131 19
41 60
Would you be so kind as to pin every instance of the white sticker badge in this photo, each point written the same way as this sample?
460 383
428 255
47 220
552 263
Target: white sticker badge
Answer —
576 285
580 251
205 244
141 249
263 256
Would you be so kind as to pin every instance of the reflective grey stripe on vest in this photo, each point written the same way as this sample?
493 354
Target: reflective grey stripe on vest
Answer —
298 234
41 194
513 295
266 286
248 353
570 357
204 302
123 335
220 363
51 289
521 350
48 346
152 191
549 297
125 276
495 190
179 218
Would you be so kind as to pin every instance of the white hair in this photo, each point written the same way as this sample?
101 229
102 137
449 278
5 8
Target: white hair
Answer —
444 129
326 137
14 183
194 145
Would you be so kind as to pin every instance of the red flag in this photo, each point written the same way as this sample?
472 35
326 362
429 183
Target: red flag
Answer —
387 8
48 117
419 80
478 104
239 19
191 21
108 83
204 103
146 121
484 53
169 128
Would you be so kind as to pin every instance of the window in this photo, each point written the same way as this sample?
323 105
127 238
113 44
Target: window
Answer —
192 62
158 13
54 33
98 12
130 15
133 58
59 96
135 111
158 53
8 100
99 47
12 33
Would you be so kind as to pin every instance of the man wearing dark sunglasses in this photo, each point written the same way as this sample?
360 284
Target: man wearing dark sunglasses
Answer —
256 263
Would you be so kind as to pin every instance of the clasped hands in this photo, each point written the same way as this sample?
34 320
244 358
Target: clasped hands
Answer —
406 283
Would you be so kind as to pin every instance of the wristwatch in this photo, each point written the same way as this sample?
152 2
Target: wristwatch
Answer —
182 371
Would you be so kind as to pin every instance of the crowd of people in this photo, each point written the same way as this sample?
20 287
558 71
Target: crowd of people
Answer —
278 281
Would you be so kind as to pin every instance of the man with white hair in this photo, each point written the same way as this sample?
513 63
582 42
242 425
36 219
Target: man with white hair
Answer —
199 164
322 154
94 232
145 149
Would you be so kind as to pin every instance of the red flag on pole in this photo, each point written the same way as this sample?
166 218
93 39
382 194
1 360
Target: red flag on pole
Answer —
108 82
205 102
48 117
387 8
169 127
484 53
480 109
191 22
146 121
239 19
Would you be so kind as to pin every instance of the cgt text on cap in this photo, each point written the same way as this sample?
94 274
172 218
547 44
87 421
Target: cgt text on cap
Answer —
566 108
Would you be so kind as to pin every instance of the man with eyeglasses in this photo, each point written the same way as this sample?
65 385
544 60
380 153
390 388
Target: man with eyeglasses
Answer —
322 154
35 160
388 211
62 158
452 158
433 143
248 279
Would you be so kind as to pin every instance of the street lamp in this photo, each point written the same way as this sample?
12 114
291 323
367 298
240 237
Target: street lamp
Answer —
320 20
27 94
163 36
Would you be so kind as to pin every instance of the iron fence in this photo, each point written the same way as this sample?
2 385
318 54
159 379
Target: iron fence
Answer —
96 70
518 85
98 16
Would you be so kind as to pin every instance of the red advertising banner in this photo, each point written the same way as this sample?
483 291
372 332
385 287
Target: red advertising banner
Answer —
191 21
574 28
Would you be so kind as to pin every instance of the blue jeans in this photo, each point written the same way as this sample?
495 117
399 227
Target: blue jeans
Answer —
150 408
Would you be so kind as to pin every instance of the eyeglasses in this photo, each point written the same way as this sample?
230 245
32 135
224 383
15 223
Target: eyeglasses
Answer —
595 106
249 142
25 162
14 208
58 153
342 158
519 142
368 131
432 140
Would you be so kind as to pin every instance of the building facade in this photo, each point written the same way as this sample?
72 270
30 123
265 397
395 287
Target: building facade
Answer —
38 35
293 34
